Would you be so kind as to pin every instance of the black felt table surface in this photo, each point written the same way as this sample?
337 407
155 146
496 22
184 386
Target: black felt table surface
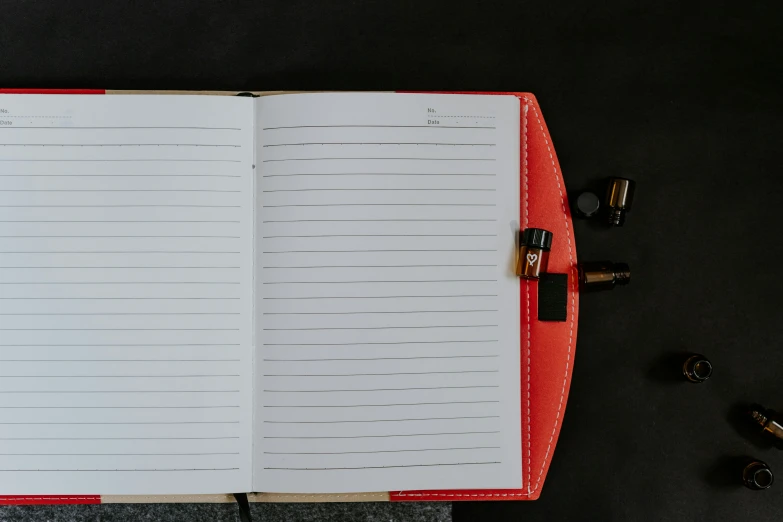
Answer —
327 512
683 97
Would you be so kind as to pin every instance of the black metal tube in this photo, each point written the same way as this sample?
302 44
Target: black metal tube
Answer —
619 197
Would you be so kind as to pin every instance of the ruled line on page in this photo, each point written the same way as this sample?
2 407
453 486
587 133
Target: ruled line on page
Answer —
382 327
114 423
384 420
115 252
118 176
124 376
120 299
379 190
157 345
374 174
391 466
116 221
127 267
378 312
385 358
119 391
116 407
384 389
379 235
377 266
379 281
63 160
379 250
123 127
147 470
119 454
120 206
121 283
375 159
122 313
116 145
458 372
377 451
122 237
121 190
379 296
387 436
122 329
378 220
118 360
384 205
383 343
374 126
375 405
379 143
117 438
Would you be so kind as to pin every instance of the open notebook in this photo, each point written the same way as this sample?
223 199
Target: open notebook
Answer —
296 293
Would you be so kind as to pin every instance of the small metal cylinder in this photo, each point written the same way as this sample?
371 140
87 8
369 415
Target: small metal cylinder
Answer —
757 475
697 368
602 275
619 196
535 244
771 423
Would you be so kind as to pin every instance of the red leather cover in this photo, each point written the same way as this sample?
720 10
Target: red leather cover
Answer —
547 347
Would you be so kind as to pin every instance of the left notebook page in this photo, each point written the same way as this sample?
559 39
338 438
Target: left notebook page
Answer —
126 266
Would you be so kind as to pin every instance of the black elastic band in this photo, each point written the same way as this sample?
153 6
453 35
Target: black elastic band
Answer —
244 507
552 297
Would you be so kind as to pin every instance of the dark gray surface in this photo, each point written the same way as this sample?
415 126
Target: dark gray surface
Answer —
332 512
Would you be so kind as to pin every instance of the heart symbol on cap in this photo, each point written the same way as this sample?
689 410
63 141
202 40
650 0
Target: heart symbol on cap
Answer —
532 258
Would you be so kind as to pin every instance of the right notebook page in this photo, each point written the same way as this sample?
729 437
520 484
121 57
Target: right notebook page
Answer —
387 309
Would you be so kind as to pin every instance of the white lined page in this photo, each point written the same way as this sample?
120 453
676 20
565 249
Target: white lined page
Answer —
389 318
126 251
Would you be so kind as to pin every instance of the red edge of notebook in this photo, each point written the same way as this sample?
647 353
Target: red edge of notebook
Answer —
547 347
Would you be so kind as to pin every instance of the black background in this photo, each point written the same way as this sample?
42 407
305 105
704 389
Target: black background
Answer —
684 97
